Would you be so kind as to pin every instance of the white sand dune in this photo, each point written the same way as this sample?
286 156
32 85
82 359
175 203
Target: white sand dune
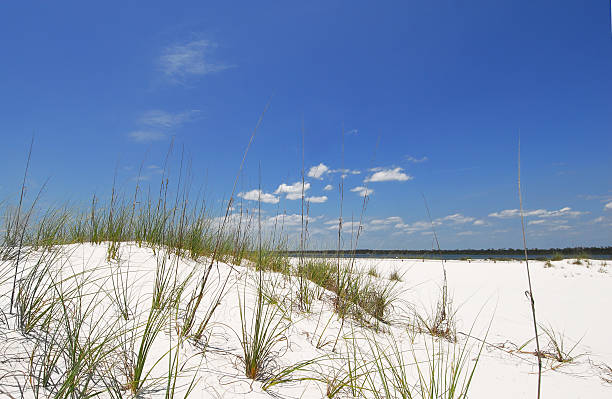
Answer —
573 300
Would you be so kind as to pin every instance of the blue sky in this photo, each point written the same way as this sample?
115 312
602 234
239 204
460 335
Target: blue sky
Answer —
431 97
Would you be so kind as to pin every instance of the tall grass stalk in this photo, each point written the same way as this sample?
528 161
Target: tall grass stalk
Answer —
530 292
18 229
196 299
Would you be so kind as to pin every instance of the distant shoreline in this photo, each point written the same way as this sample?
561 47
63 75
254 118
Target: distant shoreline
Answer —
534 253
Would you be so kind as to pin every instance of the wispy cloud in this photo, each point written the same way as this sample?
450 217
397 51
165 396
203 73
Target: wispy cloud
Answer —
346 172
294 219
167 120
317 172
181 61
362 191
144 136
352 131
381 224
329 187
256 195
456 219
540 213
293 191
157 124
416 160
608 206
148 172
395 174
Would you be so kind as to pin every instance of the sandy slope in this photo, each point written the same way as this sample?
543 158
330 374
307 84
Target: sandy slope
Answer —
573 299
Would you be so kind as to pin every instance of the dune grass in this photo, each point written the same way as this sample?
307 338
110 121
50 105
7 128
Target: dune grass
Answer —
91 333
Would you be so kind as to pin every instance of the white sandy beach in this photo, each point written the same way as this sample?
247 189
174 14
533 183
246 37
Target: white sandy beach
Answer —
574 300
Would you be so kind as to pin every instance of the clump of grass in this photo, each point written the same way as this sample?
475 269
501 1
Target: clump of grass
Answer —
548 264
557 346
440 322
259 336
605 373
557 256
372 272
443 370
377 300
395 276
36 301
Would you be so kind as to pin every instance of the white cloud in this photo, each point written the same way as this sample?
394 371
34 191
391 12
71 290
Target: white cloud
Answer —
347 226
540 213
317 172
362 191
608 206
560 227
294 219
389 220
167 120
395 174
479 222
329 187
256 195
452 220
292 191
457 218
143 136
352 131
416 160
345 172
180 61
381 224
317 200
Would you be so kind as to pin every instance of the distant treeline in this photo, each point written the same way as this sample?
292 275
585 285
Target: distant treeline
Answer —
569 252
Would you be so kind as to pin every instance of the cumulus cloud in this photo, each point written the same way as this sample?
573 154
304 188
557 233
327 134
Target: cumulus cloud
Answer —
317 172
144 136
329 187
479 222
416 160
540 213
362 191
292 191
608 206
317 200
395 174
181 61
256 195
